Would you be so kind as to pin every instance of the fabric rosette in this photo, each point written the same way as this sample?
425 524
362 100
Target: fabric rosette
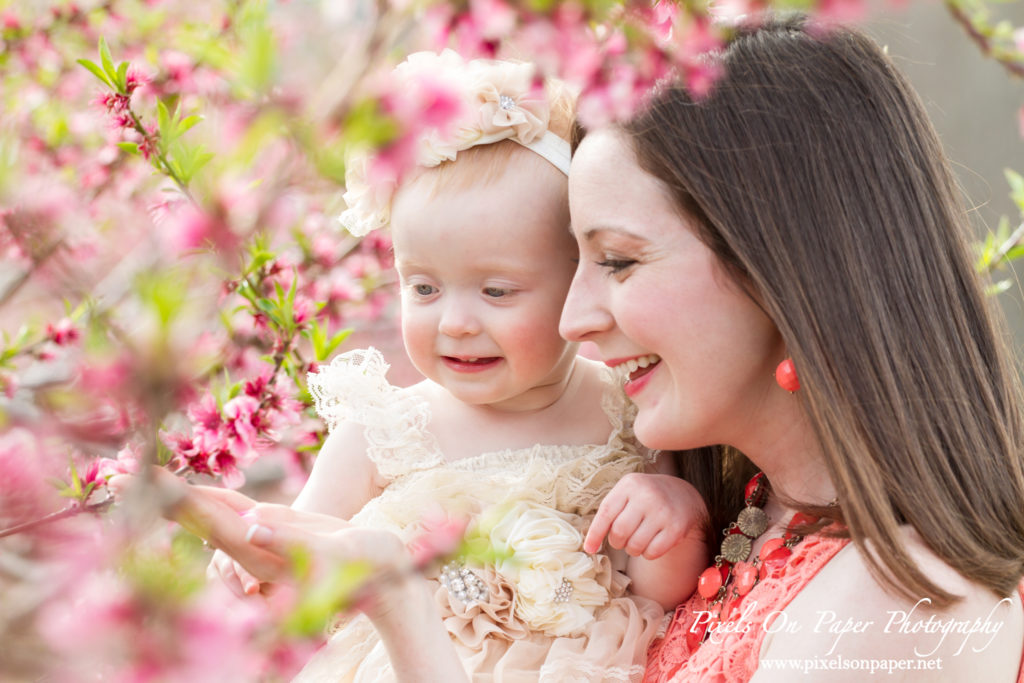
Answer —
557 588
499 100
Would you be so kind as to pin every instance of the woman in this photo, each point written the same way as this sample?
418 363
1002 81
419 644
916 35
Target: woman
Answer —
802 211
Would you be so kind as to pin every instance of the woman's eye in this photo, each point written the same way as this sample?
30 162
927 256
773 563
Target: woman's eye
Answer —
423 290
616 265
495 292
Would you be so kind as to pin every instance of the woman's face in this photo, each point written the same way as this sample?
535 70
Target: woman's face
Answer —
697 354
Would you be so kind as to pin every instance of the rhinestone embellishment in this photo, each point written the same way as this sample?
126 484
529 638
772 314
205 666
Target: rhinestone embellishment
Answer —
463 584
564 591
506 102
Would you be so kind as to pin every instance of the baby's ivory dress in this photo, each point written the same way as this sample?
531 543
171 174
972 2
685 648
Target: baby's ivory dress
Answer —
550 612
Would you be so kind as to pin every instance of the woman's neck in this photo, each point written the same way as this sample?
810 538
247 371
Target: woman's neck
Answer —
791 457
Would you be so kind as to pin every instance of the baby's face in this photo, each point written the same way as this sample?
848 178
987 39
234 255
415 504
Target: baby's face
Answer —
484 272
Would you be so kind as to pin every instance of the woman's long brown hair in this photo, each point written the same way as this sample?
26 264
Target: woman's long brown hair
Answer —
820 184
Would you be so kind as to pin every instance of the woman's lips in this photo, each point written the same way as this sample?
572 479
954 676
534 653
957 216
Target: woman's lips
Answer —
635 371
470 364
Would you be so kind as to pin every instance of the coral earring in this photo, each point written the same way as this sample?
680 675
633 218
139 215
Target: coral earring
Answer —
785 375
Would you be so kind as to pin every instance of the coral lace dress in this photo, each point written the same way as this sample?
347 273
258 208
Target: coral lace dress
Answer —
732 656
549 612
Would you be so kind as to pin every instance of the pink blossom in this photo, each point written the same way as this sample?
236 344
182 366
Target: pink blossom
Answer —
134 78
8 384
439 535
205 414
325 250
25 462
493 18
240 419
841 11
127 461
63 333
178 66
302 309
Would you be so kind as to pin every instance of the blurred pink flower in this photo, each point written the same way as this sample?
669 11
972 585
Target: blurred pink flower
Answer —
204 414
439 535
26 462
239 426
127 461
62 333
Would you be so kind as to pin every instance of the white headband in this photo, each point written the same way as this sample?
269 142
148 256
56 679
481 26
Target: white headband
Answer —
500 102
554 149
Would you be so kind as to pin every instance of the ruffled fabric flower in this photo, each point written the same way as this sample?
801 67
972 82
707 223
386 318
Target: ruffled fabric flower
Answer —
494 617
545 560
499 100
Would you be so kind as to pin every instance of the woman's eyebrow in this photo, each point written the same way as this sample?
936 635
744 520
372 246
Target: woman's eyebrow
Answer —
594 232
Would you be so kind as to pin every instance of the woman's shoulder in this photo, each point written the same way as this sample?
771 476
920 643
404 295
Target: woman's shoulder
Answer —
844 620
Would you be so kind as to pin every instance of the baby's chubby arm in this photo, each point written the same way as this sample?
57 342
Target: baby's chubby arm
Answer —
659 520
343 480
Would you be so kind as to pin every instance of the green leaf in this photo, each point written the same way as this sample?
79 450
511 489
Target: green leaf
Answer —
186 123
317 335
108 64
97 72
1014 253
122 76
319 602
130 147
335 342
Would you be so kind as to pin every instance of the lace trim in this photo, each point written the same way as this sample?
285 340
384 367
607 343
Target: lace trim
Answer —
734 656
621 413
353 388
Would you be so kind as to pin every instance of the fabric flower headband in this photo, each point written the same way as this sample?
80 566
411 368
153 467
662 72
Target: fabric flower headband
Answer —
499 103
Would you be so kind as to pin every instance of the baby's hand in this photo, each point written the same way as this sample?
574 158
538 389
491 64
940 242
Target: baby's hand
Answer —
234 575
646 514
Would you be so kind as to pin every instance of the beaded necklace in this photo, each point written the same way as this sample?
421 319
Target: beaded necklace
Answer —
725 583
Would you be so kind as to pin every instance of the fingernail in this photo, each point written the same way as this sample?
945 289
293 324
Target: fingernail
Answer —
258 535
251 587
248 515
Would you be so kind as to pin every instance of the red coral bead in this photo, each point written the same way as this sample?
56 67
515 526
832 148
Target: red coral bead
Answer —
695 635
770 546
774 561
798 519
785 375
709 582
752 485
746 577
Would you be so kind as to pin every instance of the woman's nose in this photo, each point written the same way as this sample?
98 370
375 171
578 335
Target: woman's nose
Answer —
585 313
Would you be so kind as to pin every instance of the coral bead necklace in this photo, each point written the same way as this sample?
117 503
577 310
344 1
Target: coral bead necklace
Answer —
733 575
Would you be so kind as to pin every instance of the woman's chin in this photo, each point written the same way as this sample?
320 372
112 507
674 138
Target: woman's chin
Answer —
654 432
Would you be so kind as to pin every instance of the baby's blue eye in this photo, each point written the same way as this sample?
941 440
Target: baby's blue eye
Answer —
423 290
495 292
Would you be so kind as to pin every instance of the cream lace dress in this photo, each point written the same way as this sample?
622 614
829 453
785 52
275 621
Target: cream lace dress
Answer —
548 611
